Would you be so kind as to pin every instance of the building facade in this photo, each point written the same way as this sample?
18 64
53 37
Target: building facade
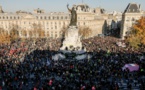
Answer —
51 23
132 13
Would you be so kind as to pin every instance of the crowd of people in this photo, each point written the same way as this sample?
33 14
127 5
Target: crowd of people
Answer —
28 65
108 43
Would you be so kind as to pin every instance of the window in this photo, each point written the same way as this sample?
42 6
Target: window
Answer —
55 35
78 23
59 23
61 17
66 17
45 17
49 18
53 17
57 17
127 33
133 19
47 33
41 17
3 17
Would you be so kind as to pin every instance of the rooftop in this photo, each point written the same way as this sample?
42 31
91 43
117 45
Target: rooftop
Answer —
132 8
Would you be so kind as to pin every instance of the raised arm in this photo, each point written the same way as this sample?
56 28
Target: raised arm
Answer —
68 8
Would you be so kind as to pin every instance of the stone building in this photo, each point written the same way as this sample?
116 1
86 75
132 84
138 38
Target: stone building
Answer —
52 22
132 13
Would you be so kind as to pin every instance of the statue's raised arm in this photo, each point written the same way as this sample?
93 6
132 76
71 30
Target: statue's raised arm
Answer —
68 8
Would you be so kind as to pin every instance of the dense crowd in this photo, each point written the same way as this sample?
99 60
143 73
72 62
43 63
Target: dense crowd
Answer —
108 43
28 65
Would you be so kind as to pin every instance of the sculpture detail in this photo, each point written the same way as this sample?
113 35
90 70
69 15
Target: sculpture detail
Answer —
73 21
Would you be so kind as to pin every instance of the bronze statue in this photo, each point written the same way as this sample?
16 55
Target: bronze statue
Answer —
73 21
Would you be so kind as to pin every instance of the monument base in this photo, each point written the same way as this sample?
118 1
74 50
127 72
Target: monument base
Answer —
72 49
72 39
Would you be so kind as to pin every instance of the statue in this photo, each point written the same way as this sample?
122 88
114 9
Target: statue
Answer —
73 21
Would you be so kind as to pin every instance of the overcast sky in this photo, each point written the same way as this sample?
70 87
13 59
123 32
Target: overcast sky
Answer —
60 5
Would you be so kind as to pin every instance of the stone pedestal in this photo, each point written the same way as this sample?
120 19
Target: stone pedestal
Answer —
72 39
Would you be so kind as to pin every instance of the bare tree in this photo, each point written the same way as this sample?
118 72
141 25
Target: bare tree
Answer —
5 37
37 30
85 32
63 31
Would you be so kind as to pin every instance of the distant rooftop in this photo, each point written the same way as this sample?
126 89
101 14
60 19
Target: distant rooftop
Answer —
132 8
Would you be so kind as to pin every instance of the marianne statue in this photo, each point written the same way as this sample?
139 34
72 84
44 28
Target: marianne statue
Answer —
73 21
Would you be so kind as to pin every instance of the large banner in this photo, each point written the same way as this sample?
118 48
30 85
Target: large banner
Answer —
131 67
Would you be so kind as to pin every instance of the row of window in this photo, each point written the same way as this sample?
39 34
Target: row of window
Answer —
38 17
23 22
10 17
52 23
52 27
132 19
133 10
53 17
